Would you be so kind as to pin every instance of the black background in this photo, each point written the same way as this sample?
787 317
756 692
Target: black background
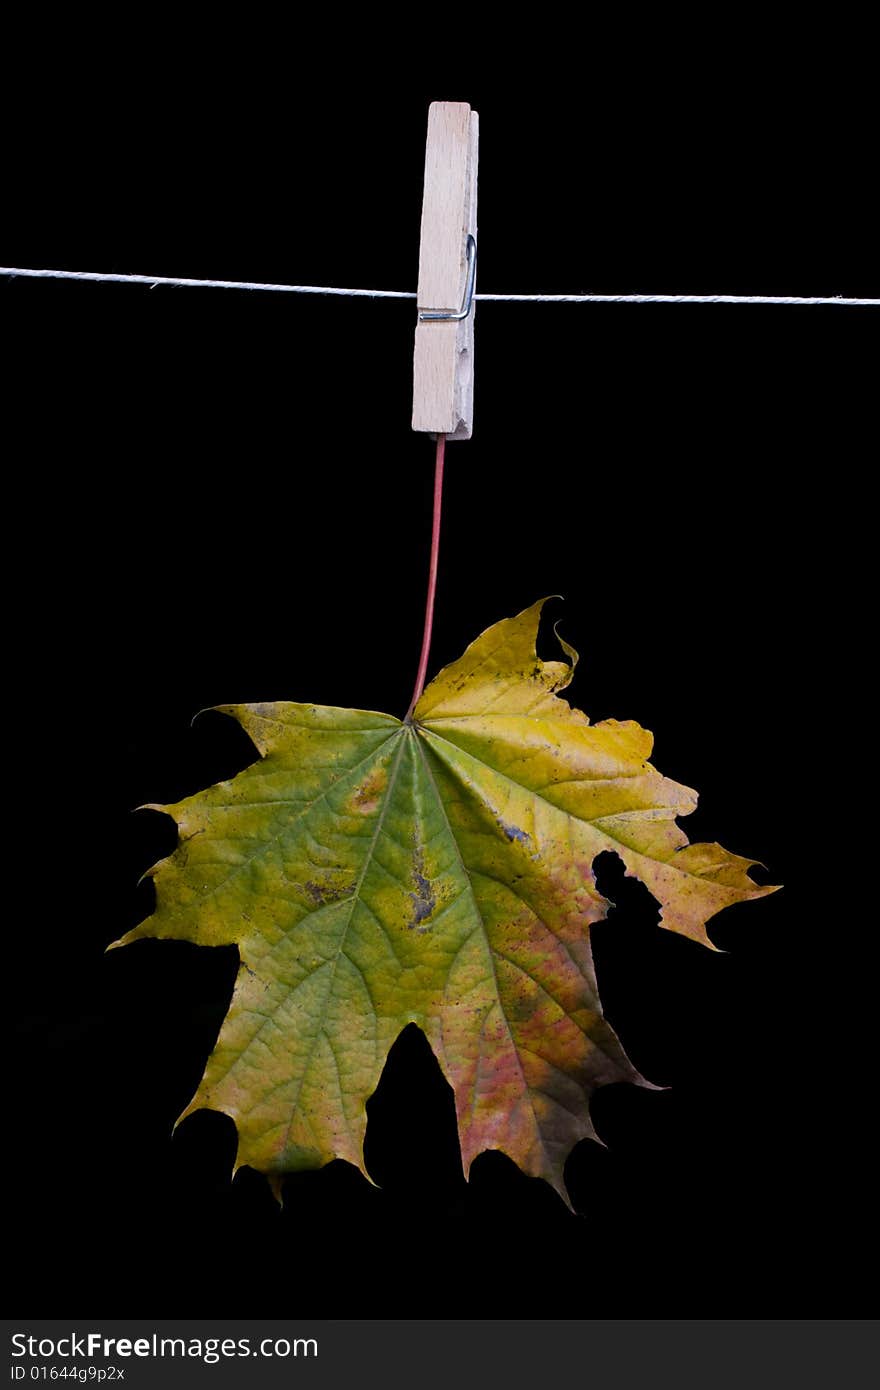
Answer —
221 500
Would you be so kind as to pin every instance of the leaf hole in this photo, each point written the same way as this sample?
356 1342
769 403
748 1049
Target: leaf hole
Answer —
412 1136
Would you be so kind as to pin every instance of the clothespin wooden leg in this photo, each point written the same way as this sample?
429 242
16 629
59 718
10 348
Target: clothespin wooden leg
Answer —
443 367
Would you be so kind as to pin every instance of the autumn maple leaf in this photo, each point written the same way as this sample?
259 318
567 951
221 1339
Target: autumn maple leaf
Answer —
375 872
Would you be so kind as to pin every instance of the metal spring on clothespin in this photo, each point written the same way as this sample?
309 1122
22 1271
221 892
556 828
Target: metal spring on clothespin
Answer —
441 315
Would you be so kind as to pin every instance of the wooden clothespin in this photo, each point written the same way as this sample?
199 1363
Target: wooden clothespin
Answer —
443 370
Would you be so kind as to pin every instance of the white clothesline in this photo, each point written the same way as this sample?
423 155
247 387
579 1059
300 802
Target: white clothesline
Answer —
154 280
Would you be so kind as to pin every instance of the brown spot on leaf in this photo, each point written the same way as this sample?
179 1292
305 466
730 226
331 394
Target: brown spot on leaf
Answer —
422 897
365 797
513 832
329 888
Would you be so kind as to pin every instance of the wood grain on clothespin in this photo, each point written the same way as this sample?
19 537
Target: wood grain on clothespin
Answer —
443 370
